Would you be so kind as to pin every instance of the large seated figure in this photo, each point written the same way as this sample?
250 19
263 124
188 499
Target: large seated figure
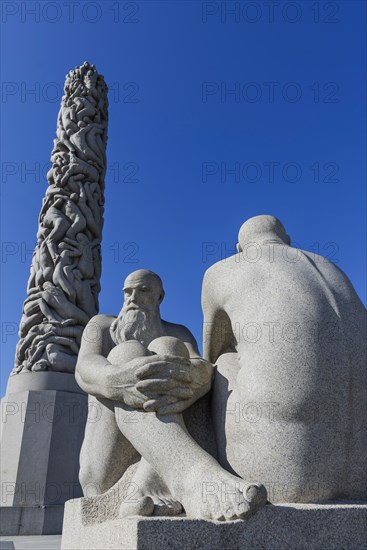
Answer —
287 333
141 373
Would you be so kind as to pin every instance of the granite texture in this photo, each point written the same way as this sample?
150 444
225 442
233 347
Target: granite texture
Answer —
146 378
31 542
31 520
46 380
44 418
287 526
41 436
64 282
287 333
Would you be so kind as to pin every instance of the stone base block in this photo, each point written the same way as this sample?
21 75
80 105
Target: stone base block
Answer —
292 526
42 427
31 520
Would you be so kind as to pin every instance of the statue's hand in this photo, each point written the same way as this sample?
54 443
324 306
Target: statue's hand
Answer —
172 384
119 382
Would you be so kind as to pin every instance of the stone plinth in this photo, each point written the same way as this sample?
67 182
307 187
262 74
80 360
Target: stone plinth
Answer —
43 422
293 526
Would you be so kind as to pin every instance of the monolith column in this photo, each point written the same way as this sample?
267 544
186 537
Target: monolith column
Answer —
44 410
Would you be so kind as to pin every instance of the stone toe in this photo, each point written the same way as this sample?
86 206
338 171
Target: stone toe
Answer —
143 506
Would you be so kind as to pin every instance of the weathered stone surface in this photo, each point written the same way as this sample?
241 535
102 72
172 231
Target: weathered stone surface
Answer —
295 526
42 433
43 381
31 520
142 373
287 333
64 282
45 417
30 542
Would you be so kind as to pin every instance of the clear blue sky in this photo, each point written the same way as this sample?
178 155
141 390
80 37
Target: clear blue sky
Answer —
293 128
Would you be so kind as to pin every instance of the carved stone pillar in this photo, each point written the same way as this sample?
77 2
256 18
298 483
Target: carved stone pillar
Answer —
44 410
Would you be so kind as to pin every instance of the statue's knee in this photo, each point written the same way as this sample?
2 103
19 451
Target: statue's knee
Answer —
169 345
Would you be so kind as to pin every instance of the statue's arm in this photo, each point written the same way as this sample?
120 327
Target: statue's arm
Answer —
97 376
201 370
92 368
218 336
178 381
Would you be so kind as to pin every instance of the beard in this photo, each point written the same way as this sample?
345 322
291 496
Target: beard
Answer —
142 324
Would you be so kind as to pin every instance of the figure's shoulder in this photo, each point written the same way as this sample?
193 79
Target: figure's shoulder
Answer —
102 320
220 269
96 336
214 270
178 331
332 273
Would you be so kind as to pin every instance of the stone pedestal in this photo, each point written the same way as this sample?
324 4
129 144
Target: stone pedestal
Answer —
42 429
293 526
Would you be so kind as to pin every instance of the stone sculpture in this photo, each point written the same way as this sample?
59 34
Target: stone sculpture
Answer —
47 407
284 328
140 363
64 282
287 333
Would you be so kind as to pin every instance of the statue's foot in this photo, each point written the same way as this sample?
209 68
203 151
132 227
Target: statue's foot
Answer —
150 506
213 493
166 506
151 496
138 506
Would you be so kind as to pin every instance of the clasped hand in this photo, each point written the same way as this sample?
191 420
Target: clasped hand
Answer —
162 383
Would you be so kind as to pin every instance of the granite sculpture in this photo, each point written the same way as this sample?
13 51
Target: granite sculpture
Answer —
287 333
64 283
284 329
290 526
140 363
45 410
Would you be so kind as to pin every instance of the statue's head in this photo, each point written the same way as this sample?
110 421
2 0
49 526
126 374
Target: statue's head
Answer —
143 288
139 317
261 229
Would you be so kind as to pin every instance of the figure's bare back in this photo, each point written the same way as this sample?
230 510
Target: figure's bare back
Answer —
295 322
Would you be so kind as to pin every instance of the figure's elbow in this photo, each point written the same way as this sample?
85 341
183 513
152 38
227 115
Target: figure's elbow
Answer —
79 376
84 371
